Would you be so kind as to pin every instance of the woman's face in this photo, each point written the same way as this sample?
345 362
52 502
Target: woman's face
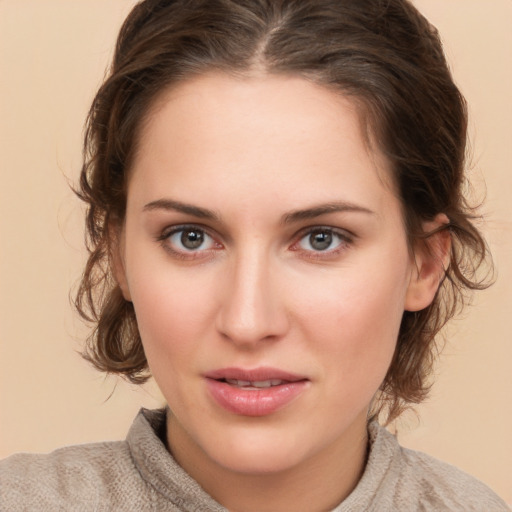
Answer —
265 255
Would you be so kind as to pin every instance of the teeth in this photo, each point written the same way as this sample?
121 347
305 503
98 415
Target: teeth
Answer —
262 384
254 384
239 383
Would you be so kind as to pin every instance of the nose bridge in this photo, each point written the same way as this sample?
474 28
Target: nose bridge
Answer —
251 308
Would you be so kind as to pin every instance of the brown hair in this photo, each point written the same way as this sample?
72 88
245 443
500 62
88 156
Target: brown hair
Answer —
382 53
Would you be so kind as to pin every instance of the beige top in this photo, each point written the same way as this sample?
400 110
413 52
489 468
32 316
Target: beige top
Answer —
139 474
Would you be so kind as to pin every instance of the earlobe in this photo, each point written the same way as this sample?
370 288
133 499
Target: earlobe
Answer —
431 259
117 261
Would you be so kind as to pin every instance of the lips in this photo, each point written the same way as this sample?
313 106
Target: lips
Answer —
257 392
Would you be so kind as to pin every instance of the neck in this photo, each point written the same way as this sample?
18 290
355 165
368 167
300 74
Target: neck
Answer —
325 479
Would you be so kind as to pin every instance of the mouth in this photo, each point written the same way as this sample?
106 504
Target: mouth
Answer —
256 384
258 392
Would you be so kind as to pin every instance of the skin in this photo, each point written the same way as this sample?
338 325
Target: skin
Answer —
257 292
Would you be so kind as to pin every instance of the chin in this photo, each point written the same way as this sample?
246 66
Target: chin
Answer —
258 451
259 461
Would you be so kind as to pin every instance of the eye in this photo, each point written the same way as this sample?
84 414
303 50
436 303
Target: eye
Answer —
190 239
323 240
184 240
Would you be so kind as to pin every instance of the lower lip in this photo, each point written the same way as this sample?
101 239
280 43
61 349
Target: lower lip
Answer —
254 402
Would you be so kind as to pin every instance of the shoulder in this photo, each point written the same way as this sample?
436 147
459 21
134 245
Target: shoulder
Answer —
425 482
396 479
136 474
83 475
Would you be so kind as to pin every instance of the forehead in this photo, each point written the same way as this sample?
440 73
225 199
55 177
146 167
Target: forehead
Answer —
257 136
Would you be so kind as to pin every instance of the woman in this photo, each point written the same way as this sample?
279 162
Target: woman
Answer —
276 232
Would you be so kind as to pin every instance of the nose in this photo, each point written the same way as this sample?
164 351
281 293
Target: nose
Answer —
252 306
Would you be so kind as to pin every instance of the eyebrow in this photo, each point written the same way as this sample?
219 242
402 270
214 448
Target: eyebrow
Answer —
287 218
323 209
178 206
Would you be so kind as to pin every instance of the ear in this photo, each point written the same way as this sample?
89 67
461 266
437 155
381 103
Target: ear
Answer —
431 259
117 252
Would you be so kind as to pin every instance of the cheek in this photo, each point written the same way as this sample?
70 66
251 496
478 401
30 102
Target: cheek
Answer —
173 317
173 311
356 343
354 321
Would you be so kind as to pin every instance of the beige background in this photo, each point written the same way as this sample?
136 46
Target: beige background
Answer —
52 57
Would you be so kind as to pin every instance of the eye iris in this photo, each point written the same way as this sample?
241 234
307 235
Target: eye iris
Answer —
192 239
320 240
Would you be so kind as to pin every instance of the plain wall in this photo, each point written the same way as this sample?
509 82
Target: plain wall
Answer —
52 58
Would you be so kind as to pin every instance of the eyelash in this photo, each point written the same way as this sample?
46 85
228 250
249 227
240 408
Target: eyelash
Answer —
190 254
345 240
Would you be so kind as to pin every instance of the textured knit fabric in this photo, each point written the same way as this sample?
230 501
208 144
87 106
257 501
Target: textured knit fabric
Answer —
139 474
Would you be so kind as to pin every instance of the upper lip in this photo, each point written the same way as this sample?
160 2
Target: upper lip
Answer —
253 375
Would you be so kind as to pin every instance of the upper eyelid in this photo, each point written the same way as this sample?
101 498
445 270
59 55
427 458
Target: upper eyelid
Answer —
223 237
343 232
345 236
183 254
164 239
170 230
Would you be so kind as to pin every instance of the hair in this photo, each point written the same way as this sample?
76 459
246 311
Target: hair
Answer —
382 54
